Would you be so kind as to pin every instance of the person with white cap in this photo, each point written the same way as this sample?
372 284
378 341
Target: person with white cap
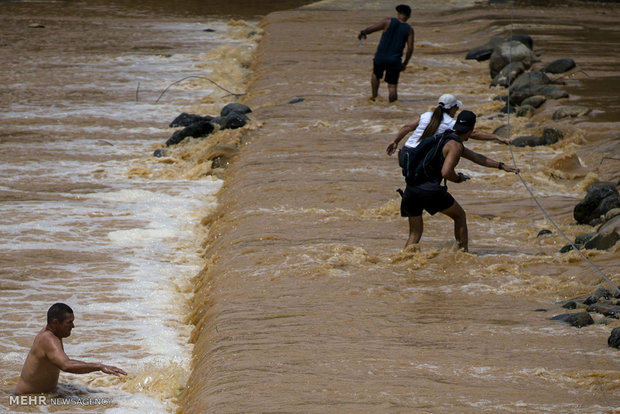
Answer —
436 122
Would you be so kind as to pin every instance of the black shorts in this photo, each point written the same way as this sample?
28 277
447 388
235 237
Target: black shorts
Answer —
391 69
416 199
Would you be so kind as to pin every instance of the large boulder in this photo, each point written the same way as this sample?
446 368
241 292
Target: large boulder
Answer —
185 119
507 52
600 198
573 111
481 53
530 79
577 320
232 120
235 107
606 236
559 66
518 95
195 130
508 74
536 101
614 338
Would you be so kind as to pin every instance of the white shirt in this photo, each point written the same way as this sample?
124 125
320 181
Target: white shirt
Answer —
447 122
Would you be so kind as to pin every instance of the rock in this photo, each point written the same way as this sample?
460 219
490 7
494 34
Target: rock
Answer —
517 96
607 235
482 53
578 320
235 107
233 120
612 213
296 100
527 141
551 135
36 26
543 232
600 198
526 110
525 39
503 131
508 52
583 238
161 152
571 304
195 130
528 79
508 74
536 101
508 109
570 112
566 249
610 311
599 293
614 339
559 66
186 119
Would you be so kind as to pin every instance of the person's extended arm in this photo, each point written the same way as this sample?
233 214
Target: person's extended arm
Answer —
382 25
487 136
486 161
409 51
406 129
452 152
57 356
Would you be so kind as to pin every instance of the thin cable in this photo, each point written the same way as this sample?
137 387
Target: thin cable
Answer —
514 163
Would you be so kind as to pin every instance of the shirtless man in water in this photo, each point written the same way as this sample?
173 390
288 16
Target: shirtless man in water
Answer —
47 356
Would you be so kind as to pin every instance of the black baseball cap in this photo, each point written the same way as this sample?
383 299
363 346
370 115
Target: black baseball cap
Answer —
404 9
465 122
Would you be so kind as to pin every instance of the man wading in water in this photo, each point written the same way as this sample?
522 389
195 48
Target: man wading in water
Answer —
396 34
47 356
425 192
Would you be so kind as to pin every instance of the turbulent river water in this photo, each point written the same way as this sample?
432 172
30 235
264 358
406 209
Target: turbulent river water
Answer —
279 283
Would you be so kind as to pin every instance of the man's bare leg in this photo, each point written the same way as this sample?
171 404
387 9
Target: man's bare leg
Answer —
416 227
393 92
374 85
456 213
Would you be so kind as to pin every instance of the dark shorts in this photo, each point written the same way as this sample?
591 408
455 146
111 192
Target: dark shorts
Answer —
416 199
391 69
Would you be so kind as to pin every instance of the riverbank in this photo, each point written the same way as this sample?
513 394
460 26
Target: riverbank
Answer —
308 304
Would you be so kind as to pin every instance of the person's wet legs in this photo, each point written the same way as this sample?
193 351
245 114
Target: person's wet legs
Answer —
416 227
392 91
456 213
374 84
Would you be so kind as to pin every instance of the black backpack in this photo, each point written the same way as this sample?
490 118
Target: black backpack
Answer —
423 162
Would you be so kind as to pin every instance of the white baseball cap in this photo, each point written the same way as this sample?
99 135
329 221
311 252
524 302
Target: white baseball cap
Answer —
448 101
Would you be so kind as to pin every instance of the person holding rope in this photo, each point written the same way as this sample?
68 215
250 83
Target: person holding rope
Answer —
424 190
436 122
396 34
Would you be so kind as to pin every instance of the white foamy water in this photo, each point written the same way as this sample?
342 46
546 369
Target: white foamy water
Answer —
77 228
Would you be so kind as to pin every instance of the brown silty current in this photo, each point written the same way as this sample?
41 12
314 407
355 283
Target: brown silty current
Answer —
307 302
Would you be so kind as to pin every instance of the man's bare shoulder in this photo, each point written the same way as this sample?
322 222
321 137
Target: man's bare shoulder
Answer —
45 341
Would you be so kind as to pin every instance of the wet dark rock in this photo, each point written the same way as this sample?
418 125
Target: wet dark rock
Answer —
196 130
508 109
508 74
578 320
507 52
525 111
233 120
607 235
583 238
551 135
614 339
296 100
161 152
600 198
540 310
571 112
559 66
527 141
235 108
529 79
518 95
543 232
482 53
599 293
185 119
525 39
536 101
611 311
566 249
571 304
